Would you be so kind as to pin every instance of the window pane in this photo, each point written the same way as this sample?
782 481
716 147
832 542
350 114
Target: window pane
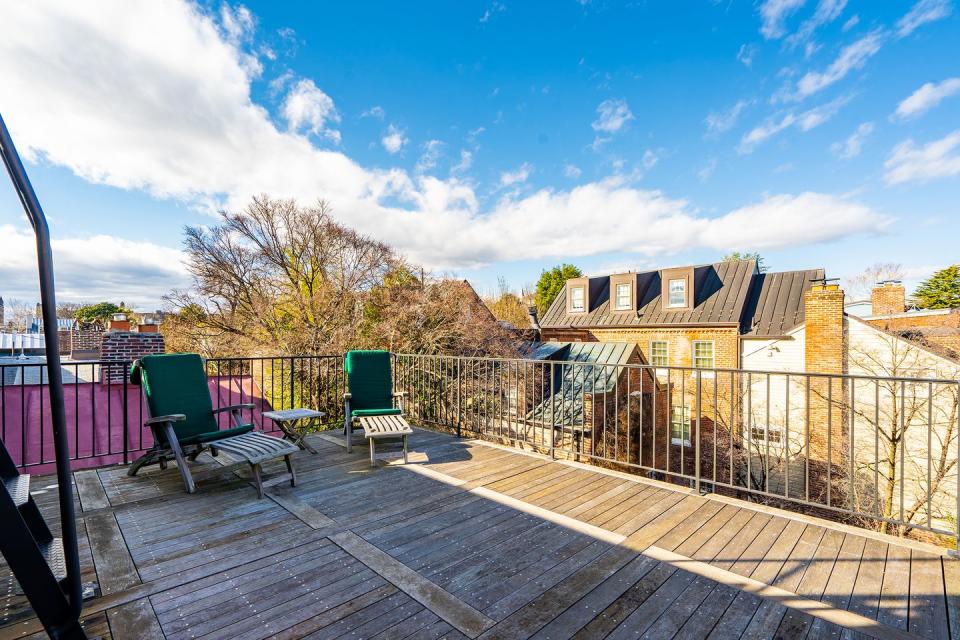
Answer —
658 353
677 293
703 354
680 425
576 299
623 296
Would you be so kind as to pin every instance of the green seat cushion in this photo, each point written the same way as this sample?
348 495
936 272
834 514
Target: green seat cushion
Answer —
369 379
203 438
363 413
177 383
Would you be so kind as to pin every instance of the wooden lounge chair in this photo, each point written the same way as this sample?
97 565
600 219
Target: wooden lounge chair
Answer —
183 420
370 384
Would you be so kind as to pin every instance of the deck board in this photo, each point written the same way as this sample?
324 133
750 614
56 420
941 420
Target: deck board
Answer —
483 542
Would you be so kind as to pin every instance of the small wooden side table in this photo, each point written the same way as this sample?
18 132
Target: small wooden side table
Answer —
292 423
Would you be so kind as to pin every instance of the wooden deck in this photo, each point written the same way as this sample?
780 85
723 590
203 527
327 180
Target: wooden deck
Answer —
476 540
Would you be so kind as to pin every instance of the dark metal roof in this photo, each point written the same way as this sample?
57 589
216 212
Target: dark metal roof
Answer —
775 305
726 294
720 291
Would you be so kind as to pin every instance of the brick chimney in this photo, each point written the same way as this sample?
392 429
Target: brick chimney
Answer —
119 322
148 327
888 297
124 346
825 352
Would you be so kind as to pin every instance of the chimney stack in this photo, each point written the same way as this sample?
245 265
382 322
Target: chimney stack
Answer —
119 322
825 352
888 297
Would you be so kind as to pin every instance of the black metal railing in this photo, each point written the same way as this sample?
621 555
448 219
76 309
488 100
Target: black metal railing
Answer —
104 413
879 451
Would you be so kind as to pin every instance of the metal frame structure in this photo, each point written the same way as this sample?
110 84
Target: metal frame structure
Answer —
60 619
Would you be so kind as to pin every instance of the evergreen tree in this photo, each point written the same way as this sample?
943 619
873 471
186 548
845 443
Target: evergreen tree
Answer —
941 290
551 283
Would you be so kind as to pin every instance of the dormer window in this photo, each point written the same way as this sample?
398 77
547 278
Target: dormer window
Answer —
677 292
623 292
577 299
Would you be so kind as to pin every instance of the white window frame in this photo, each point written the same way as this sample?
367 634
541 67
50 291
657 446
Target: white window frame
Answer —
684 426
713 354
626 306
583 299
758 434
666 353
670 303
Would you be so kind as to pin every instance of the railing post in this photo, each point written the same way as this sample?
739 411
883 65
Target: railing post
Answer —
459 401
696 442
553 414
126 435
293 401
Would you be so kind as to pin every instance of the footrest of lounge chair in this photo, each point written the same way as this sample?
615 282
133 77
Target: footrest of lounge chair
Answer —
388 427
255 448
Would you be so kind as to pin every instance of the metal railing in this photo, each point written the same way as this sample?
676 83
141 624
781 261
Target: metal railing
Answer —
878 451
104 413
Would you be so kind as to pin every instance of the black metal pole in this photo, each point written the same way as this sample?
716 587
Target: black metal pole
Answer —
48 303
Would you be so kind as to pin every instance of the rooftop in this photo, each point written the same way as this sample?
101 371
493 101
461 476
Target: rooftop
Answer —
475 540
725 293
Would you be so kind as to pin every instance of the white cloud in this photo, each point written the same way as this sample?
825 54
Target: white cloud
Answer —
805 121
826 12
649 159
718 123
774 13
100 91
853 21
911 163
519 176
927 97
495 8
238 23
393 140
746 54
374 112
923 12
852 57
308 108
572 171
466 161
432 150
851 147
706 171
612 115
92 268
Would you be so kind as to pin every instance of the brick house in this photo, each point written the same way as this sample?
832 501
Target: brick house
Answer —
753 337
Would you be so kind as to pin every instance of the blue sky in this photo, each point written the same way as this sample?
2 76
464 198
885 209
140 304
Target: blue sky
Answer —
489 138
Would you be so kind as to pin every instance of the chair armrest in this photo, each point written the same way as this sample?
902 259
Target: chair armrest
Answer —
173 417
400 394
236 407
347 396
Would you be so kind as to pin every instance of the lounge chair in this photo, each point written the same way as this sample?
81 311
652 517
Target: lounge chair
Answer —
370 384
184 423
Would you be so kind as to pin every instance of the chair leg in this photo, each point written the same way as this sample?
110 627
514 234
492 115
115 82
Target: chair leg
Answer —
349 436
373 454
255 469
404 449
293 474
149 457
181 461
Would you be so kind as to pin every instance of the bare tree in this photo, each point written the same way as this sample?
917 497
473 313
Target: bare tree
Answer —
905 431
857 287
279 278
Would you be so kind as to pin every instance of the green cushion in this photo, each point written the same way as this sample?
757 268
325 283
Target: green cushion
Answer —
363 413
217 435
177 383
369 380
